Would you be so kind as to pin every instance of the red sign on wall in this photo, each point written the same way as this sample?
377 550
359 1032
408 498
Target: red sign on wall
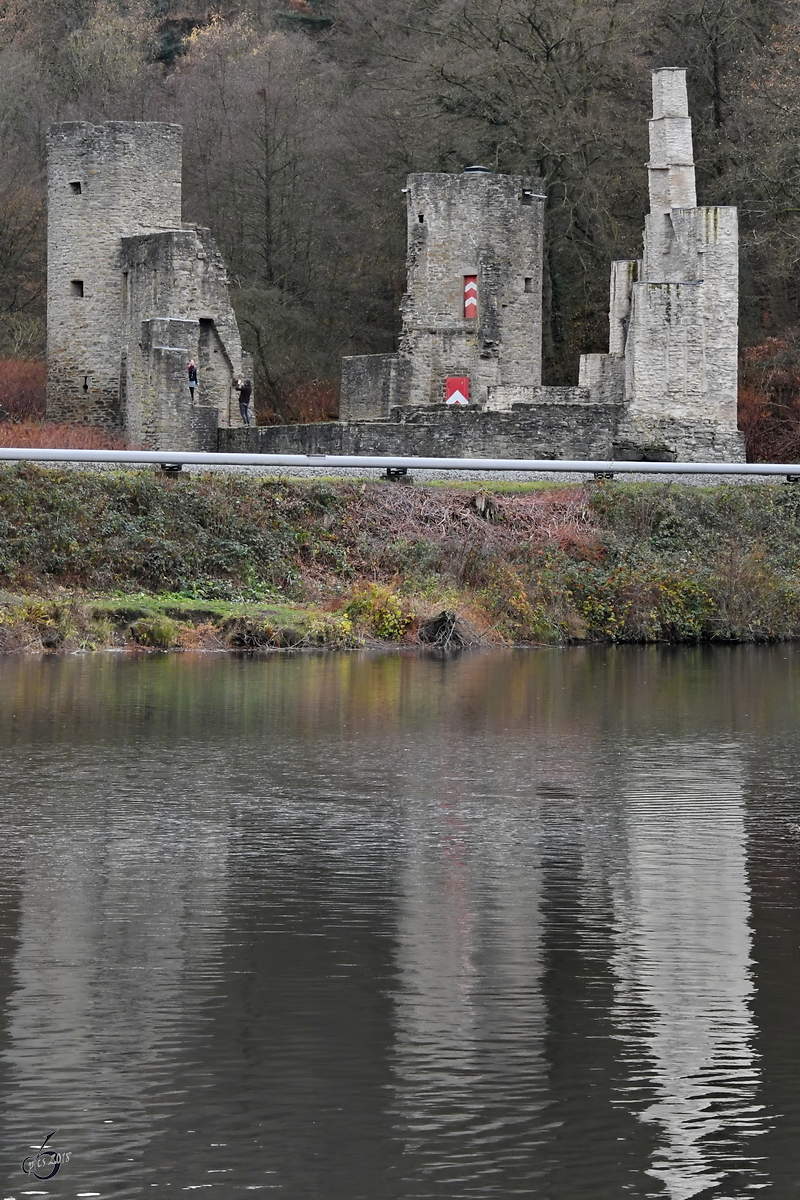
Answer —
470 296
457 389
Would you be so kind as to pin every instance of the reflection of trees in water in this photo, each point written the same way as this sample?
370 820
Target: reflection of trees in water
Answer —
684 968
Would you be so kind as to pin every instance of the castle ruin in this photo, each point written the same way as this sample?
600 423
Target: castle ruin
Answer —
132 293
672 365
667 388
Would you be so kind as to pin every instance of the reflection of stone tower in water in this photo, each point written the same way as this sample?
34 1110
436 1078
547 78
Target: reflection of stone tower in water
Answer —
133 294
105 182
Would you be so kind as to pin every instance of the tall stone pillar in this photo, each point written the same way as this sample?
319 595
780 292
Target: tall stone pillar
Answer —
674 321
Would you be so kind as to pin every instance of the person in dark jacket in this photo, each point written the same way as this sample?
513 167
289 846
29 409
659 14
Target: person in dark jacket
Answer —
245 389
192 377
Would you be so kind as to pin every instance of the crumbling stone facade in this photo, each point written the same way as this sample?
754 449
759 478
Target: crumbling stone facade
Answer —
474 226
673 343
667 389
132 294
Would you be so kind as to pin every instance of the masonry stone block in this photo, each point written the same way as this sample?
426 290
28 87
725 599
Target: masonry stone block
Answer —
133 294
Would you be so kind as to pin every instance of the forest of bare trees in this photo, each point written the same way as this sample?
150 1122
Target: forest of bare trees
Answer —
302 117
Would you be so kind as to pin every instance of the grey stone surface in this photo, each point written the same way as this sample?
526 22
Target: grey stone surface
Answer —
540 431
673 346
132 294
667 389
474 224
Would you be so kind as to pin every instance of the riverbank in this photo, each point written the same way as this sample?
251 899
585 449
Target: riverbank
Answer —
139 559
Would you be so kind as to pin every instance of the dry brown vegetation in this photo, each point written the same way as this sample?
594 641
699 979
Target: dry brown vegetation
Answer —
54 436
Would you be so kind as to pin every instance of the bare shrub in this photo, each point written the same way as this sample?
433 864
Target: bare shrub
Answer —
769 400
22 388
302 401
52 436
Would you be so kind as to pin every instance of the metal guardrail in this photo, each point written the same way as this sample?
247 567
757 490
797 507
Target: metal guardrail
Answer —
397 464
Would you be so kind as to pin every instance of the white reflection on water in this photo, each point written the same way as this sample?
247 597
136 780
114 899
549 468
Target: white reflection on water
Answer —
684 968
113 927
469 1060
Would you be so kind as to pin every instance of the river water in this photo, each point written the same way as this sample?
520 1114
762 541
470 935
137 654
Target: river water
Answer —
354 926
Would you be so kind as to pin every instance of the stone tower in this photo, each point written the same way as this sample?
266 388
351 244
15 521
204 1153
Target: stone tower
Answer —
673 345
105 182
132 294
473 306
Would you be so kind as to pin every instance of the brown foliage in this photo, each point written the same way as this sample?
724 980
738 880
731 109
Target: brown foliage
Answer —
300 401
22 388
769 401
385 518
50 435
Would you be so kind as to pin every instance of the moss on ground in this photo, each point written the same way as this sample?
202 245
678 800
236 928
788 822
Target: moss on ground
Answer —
134 558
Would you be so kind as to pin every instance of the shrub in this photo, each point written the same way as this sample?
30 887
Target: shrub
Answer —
22 389
50 435
159 632
379 610
769 400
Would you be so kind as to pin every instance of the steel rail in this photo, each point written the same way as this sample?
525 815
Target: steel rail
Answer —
393 462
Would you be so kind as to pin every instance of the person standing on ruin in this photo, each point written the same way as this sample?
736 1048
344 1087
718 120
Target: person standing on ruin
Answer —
192 377
245 389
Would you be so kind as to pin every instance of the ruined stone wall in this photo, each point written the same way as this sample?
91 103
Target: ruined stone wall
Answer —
673 346
480 225
547 431
175 287
486 225
104 182
372 384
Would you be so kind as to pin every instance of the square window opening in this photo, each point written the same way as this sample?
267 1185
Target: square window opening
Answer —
527 198
76 288
76 186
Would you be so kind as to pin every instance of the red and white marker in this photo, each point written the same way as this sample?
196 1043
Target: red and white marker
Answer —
470 296
457 389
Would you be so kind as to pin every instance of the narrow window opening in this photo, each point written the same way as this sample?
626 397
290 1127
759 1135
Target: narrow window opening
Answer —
421 218
76 187
76 288
86 383
528 283
527 197
125 288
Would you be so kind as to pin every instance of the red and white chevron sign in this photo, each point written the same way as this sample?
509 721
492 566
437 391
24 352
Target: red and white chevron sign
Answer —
456 389
470 295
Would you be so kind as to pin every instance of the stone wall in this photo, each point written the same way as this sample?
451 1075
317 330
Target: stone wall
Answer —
104 182
372 384
132 294
547 431
492 227
673 346
474 224
176 298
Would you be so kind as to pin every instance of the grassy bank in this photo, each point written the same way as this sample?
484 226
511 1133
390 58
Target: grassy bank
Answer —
91 559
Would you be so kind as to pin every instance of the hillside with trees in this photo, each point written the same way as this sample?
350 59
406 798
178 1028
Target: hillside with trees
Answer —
302 117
